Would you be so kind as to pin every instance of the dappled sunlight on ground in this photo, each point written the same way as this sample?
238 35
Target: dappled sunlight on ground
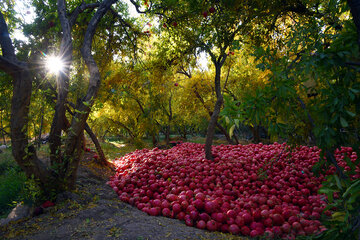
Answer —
119 145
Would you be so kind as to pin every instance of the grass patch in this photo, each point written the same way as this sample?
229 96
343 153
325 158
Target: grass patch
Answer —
12 180
118 148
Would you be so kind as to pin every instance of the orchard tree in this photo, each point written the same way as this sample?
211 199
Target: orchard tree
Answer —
217 28
61 173
214 27
244 102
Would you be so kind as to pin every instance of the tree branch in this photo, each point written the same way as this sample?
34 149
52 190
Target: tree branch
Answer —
8 61
182 70
81 8
137 6
11 66
353 63
226 80
7 47
122 21
62 82
132 135
79 119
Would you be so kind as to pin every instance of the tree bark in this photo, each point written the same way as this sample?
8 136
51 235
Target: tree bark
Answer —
2 128
219 101
131 134
73 142
256 133
167 133
94 139
99 150
154 140
24 154
184 132
218 125
40 129
62 81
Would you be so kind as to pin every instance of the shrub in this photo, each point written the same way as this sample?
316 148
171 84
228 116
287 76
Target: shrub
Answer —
11 185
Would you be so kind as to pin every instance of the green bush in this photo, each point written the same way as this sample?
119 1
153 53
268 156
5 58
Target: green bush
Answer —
344 222
7 162
11 185
12 180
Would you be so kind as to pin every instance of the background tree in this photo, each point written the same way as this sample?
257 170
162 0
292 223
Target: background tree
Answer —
218 27
61 174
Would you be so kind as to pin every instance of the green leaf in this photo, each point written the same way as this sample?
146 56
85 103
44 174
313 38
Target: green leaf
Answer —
354 90
353 198
343 122
86 104
351 189
338 183
351 113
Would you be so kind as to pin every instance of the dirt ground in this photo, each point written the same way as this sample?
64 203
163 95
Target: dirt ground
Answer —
94 211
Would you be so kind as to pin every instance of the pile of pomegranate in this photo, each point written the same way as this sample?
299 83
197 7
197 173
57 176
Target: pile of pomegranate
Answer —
251 190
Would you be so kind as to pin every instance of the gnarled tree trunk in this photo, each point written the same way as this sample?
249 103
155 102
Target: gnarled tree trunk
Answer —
73 149
58 124
25 155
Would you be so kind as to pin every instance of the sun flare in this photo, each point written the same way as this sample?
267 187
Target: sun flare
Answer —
54 64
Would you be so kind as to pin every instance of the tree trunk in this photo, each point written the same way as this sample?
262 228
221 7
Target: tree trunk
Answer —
184 132
24 154
99 150
167 133
219 101
40 129
93 137
73 149
256 133
154 140
62 82
329 154
2 128
218 125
